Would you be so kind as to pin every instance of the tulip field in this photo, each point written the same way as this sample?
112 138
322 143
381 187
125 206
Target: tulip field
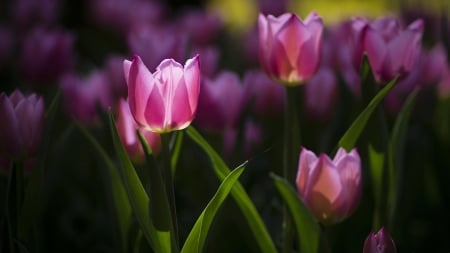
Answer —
224 126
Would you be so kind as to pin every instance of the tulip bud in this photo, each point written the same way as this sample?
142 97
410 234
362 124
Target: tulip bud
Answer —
215 112
289 48
165 100
391 50
22 120
330 188
126 126
381 242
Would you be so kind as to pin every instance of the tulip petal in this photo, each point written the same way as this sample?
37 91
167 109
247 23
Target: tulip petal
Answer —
349 169
306 163
376 49
140 85
181 114
155 111
192 81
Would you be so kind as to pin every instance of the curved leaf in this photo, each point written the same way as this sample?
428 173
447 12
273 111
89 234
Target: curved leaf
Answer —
239 194
159 240
308 229
197 237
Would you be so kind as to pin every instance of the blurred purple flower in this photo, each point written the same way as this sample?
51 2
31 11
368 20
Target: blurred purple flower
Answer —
201 26
83 96
126 127
289 47
125 15
380 242
215 111
266 97
210 60
330 188
46 55
273 7
114 72
27 13
391 50
320 94
251 139
22 120
167 99
155 44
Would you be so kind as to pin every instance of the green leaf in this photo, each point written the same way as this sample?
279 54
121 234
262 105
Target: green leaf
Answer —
120 199
197 237
396 147
308 229
239 194
350 137
176 149
159 240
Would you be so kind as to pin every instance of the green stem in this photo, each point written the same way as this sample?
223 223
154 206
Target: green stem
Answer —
168 179
291 150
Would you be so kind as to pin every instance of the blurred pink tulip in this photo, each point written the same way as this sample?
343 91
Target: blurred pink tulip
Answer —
201 26
215 112
265 95
126 126
46 55
22 120
320 94
165 100
391 50
380 242
289 48
330 188
83 97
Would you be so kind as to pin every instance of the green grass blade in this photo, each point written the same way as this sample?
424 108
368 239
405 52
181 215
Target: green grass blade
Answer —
308 230
239 194
121 203
197 237
160 241
350 137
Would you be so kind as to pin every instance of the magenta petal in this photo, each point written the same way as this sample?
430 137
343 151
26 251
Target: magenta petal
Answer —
307 162
181 115
376 49
192 81
349 168
292 36
125 124
140 85
126 69
155 112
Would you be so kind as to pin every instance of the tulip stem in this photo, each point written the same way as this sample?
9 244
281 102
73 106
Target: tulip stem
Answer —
168 178
290 154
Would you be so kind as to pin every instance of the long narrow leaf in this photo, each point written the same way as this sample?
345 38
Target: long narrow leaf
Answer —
159 240
308 230
350 137
395 150
121 203
197 237
239 194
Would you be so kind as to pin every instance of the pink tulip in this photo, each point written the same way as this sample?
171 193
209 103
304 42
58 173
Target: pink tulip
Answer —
289 48
165 100
126 126
320 94
215 112
330 188
22 120
391 50
83 96
380 242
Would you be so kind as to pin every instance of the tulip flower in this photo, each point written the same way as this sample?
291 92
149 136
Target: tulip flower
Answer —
391 50
381 242
126 126
22 120
330 188
289 48
165 100
215 112
320 94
